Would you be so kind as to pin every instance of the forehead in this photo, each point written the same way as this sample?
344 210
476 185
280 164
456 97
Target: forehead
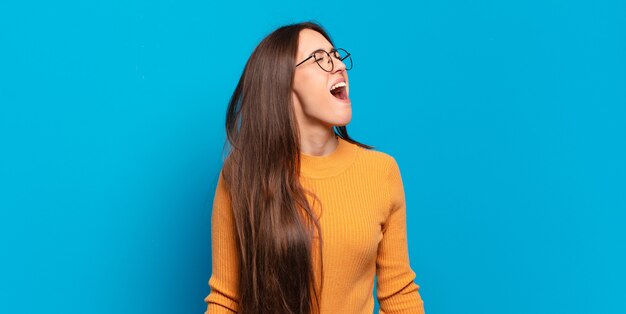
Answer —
310 41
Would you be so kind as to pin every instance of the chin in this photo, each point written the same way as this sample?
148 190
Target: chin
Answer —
343 122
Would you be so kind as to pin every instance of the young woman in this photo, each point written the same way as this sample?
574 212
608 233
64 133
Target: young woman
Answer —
304 216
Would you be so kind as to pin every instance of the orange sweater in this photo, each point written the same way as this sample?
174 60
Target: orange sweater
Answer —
363 225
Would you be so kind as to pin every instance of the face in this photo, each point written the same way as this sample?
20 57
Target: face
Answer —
315 106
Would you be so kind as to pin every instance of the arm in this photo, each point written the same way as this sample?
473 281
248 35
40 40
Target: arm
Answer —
224 279
396 291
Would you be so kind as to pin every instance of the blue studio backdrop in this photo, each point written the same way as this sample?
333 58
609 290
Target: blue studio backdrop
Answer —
507 119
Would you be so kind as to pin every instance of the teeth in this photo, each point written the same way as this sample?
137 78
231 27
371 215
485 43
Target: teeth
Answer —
340 84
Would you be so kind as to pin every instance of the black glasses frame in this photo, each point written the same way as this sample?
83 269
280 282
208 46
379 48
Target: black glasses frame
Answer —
334 53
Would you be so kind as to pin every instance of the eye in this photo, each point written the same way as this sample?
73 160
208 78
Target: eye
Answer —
319 56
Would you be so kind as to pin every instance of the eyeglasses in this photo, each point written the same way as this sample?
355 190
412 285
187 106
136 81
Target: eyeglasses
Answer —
324 60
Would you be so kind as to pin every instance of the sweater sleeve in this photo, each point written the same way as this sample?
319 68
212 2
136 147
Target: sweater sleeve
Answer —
396 291
224 279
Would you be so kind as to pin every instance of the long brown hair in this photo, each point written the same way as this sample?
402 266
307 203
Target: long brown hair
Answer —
275 224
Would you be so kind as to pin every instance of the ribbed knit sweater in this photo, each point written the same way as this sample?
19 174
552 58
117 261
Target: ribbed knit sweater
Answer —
363 227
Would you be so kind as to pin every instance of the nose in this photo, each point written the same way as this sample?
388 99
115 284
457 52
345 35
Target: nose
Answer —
338 66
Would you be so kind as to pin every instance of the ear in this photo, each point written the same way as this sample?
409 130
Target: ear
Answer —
295 99
297 105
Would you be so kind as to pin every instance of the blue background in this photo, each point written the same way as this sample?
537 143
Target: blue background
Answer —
507 118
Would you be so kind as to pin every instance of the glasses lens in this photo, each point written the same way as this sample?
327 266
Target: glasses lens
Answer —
345 57
323 59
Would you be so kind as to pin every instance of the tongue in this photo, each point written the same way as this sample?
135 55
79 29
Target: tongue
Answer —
339 93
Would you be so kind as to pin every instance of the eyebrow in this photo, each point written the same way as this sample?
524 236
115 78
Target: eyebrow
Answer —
321 49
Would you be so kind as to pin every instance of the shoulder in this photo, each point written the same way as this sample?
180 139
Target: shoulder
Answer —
379 160
386 172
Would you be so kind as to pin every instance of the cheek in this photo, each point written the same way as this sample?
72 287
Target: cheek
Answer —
312 99
311 87
317 95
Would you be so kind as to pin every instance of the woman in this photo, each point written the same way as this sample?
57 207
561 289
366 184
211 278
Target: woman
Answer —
303 217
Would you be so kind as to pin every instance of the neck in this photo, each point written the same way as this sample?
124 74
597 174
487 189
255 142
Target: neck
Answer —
320 144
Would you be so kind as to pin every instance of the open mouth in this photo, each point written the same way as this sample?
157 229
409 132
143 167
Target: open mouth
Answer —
339 91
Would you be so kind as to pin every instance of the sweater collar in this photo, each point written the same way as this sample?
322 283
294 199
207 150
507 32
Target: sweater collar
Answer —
330 165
